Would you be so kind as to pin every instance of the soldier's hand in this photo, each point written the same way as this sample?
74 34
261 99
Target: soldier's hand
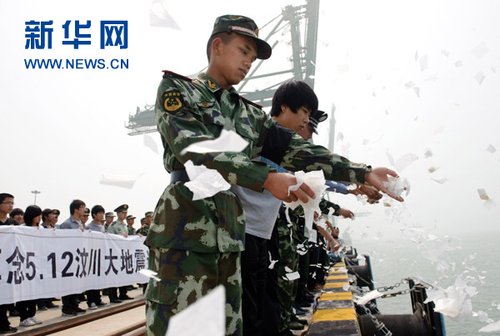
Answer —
378 176
278 183
346 213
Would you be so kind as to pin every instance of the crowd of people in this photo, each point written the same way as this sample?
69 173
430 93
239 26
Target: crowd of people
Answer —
48 218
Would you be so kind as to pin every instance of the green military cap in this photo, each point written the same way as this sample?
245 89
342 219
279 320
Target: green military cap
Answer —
87 212
148 214
315 118
130 217
244 26
121 208
110 214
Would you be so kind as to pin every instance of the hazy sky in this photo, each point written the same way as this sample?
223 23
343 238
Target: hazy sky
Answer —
406 78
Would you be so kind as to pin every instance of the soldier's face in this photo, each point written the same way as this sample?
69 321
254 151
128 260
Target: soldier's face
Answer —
234 59
306 133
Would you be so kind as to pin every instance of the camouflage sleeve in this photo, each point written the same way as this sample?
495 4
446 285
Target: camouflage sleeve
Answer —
302 155
325 206
184 116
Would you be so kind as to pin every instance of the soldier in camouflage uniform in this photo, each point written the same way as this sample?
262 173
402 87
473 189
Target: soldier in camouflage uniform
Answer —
196 245
119 227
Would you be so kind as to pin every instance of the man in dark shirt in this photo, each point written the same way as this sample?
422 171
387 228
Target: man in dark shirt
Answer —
6 206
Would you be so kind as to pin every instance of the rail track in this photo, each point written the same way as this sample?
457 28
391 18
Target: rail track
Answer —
127 318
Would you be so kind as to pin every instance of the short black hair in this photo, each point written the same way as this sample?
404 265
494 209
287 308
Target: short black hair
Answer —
45 213
3 196
15 212
225 37
294 94
30 213
75 205
96 209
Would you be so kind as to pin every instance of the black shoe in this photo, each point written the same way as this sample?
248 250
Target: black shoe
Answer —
68 312
9 330
43 308
79 310
14 312
294 325
301 321
125 297
101 304
51 305
115 301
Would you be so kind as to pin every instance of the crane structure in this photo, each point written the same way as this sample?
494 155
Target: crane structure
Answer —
301 23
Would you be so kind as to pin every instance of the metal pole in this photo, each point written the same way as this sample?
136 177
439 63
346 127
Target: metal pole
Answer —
36 192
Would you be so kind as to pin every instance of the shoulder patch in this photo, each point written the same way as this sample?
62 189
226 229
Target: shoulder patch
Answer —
251 102
172 101
168 73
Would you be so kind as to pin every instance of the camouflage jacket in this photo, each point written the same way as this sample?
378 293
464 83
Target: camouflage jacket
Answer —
189 111
118 227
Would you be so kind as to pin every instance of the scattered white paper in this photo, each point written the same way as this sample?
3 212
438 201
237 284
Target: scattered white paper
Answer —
204 182
445 52
372 295
292 276
228 141
454 301
120 180
204 317
495 326
483 195
439 180
404 161
491 149
432 169
458 63
316 181
150 274
479 77
397 185
271 261
158 15
428 153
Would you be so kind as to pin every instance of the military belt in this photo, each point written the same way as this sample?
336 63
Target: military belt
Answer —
178 175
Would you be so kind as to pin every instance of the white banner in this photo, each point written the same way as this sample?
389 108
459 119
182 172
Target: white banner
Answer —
43 263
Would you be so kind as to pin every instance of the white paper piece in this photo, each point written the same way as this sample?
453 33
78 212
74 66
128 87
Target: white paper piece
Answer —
362 300
495 326
292 276
397 185
439 180
483 195
491 149
316 181
428 153
204 182
340 136
228 141
458 63
150 274
206 316
445 52
454 301
271 261
432 169
313 236
159 17
150 143
120 180
479 77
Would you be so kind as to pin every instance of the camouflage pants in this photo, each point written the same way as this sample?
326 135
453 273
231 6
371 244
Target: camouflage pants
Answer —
185 277
288 257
